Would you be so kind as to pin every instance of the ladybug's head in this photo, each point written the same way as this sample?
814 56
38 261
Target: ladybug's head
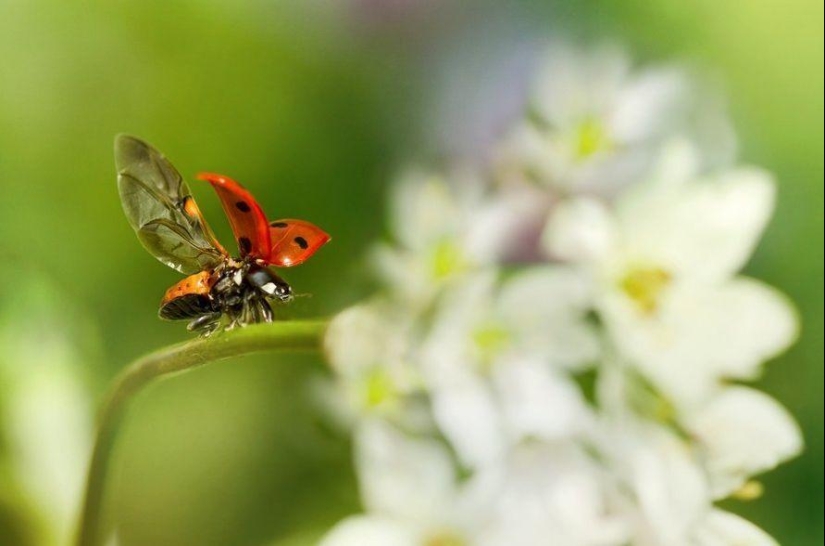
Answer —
269 283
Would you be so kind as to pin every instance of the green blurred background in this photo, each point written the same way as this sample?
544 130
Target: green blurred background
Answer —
314 105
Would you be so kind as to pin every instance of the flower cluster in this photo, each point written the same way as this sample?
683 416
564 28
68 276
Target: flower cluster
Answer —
560 352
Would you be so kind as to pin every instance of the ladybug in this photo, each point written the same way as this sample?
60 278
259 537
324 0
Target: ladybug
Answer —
163 213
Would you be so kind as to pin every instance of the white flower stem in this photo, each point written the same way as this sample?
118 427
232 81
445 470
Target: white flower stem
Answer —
280 336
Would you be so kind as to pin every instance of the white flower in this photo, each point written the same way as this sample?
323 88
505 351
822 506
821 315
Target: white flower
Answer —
536 313
371 349
475 424
410 492
742 432
495 362
551 493
370 531
433 238
543 493
670 501
737 433
447 226
664 266
596 123
667 489
725 529
402 477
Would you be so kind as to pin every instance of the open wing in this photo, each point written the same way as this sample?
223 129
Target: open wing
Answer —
294 242
161 209
245 215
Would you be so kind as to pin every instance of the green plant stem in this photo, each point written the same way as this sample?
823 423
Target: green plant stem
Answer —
279 336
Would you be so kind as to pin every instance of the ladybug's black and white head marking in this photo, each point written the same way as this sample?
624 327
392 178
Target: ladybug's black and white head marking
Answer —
269 283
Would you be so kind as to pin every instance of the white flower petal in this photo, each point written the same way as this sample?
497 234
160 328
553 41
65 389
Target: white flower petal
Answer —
544 310
580 230
678 164
539 293
647 106
700 335
746 322
369 531
469 418
548 494
538 403
369 346
669 487
725 529
447 354
525 151
705 230
359 338
607 172
743 432
401 477
573 84
405 273
424 210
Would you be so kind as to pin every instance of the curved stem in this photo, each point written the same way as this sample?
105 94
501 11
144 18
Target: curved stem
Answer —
281 336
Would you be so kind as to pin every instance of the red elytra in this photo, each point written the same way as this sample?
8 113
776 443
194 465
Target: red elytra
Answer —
245 215
281 243
294 241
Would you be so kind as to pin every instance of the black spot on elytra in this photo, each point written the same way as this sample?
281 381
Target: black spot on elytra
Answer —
245 244
301 242
279 225
242 206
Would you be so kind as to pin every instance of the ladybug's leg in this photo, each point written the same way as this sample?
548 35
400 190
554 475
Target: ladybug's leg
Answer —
248 313
259 310
211 328
265 310
205 324
235 315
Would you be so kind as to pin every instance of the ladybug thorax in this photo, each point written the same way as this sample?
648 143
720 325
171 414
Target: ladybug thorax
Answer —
238 282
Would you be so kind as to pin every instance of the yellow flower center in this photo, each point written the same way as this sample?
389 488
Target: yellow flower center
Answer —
447 260
750 491
645 285
378 389
490 340
590 137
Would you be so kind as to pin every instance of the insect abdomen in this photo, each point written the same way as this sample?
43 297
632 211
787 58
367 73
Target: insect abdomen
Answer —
189 298
186 307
